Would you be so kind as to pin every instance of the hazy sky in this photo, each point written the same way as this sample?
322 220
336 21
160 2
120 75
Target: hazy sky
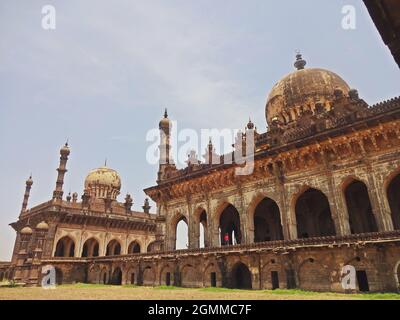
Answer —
103 77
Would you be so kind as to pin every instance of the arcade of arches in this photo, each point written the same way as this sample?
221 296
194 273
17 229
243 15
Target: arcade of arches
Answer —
314 215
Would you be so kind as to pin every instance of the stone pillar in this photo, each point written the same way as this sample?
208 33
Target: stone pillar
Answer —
382 217
383 203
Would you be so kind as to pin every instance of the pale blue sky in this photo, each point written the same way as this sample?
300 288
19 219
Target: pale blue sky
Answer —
103 77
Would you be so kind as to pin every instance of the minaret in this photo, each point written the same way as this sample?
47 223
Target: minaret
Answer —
165 127
28 187
62 169
166 161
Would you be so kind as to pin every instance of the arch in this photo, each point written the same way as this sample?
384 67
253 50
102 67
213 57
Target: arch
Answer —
132 276
1 276
134 247
190 277
151 247
90 248
113 248
181 232
359 208
104 276
211 276
166 276
267 221
241 277
65 247
116 278
201 227
229 224
148 276
313 214
393 197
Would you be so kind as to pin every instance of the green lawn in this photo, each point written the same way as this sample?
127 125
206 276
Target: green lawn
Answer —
82 291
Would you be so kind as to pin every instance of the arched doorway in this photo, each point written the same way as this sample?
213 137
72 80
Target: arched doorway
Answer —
151 247
203 229
182 234
90 248
313 215
1 276
267 221
113 248
393 195
361 218
134 247
241 277
116 278
229 224
65 247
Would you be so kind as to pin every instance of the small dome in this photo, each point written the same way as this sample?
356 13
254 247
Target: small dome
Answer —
102 182
303 90
26 230
42 226
165 123
65 150
29 182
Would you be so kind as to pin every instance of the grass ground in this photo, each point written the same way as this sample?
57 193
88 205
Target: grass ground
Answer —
104 292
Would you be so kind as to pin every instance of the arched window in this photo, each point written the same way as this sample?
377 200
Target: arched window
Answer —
90 248
182 234
313 215
393 194
134 247
359 208
229 223
267 221
113 248
65 247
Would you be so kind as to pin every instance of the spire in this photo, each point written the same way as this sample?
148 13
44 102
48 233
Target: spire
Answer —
166 113
28 186
62 169
105 162
300 63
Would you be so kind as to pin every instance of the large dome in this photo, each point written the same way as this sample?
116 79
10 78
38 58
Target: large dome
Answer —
303 90
102 182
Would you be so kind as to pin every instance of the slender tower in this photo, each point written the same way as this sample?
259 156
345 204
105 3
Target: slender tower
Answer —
166 161
28 187
62 169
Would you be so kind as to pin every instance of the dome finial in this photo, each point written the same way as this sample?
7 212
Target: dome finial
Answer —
166 113
300 63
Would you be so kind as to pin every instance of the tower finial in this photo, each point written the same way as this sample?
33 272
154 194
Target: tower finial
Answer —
300 63
105 162
166 113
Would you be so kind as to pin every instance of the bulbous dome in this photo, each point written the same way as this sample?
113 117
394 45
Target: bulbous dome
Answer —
42 226
26 230
103 182
304 90
165 123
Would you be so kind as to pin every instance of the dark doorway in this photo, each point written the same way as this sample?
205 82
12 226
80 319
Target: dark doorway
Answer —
132 278
168 279
393 194
290 279
362 280
117 277
105 278
213 279
313 215
267 221
229 224
241 277
359 208
275 280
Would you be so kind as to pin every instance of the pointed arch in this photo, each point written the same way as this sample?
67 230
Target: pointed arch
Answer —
113 248
313 214
65 247
90 248
134 247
